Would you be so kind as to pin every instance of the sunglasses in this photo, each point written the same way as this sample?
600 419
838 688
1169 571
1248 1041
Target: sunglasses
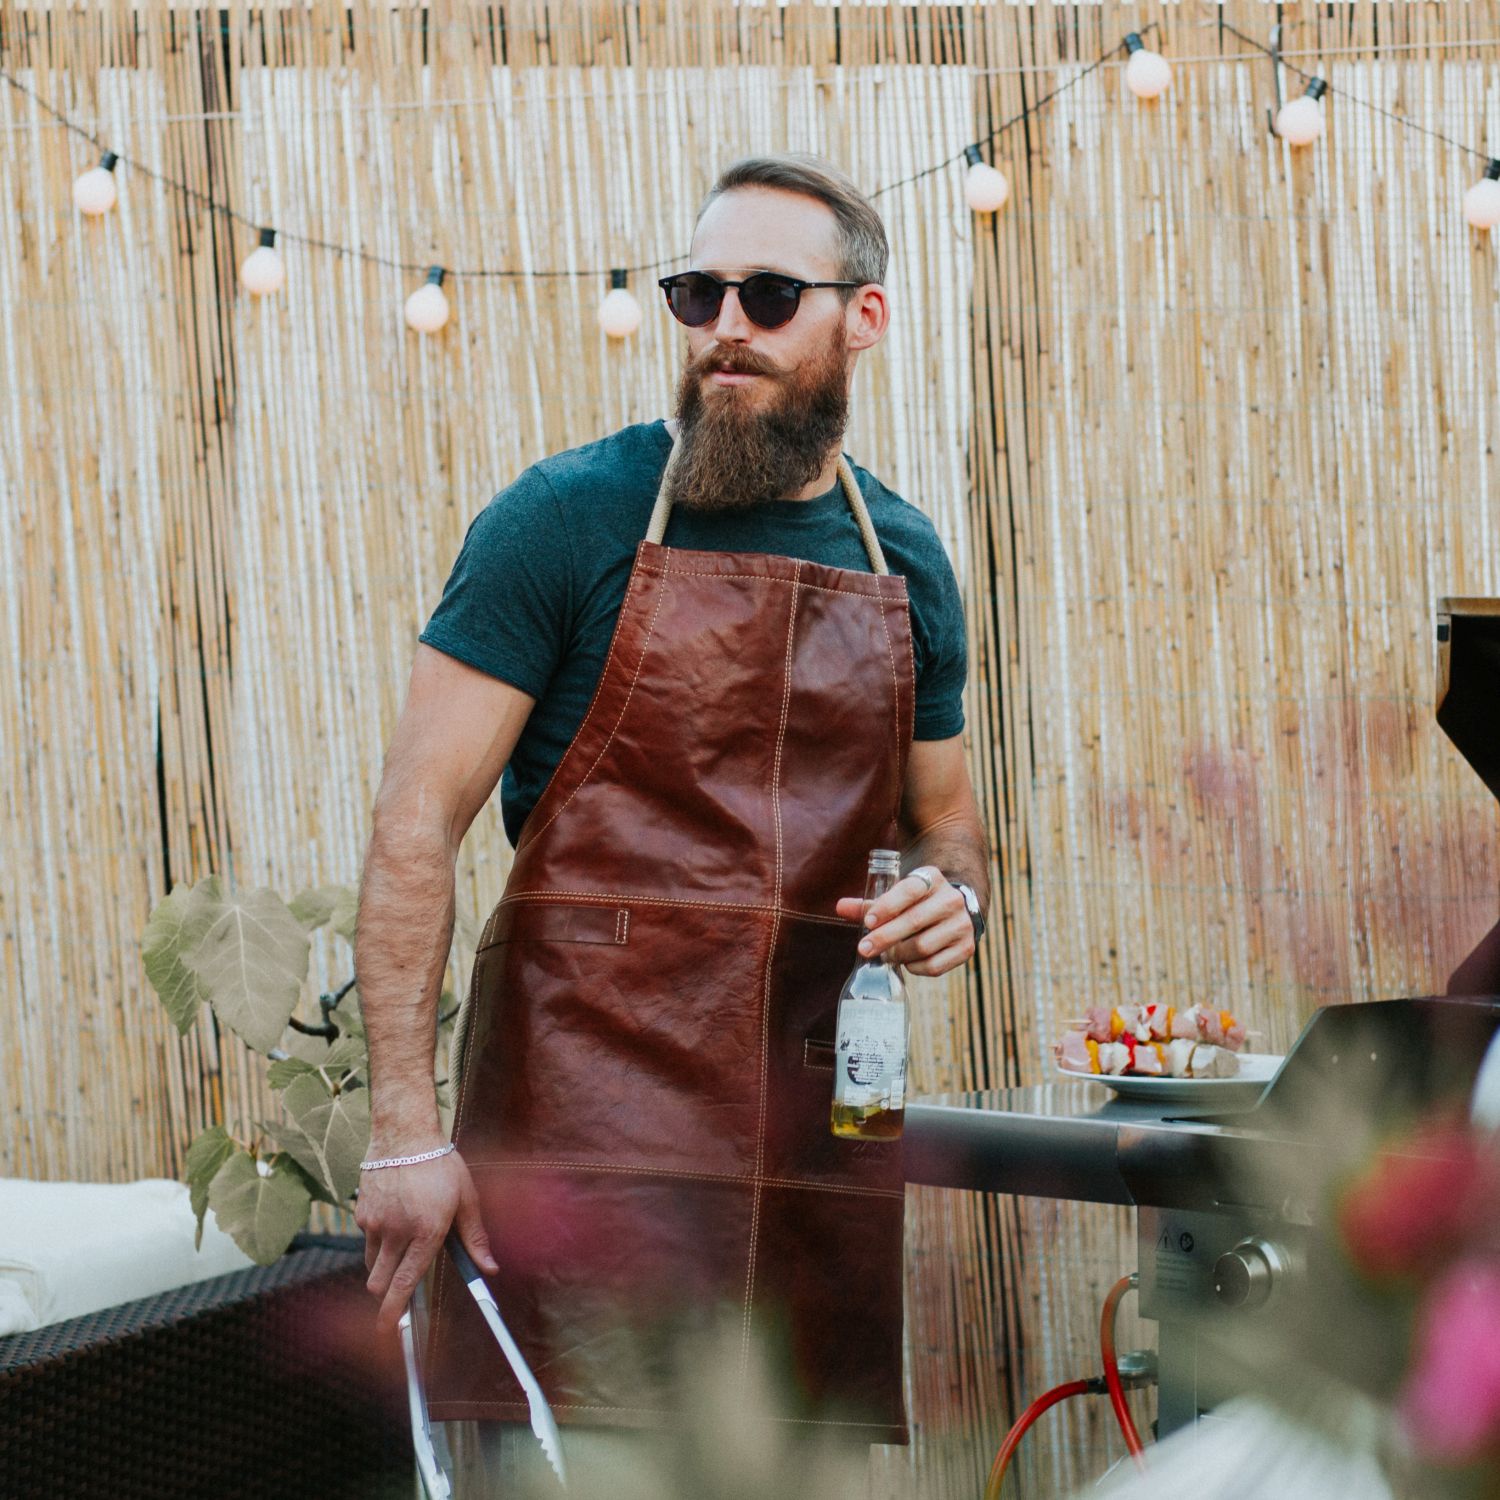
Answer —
768 298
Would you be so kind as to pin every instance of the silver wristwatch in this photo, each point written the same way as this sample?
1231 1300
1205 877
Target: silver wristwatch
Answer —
971 905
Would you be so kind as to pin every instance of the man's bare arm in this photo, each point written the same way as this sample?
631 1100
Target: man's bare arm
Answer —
929 931
456 733
940 817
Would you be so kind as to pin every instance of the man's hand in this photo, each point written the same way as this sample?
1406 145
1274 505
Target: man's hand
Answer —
920 923
405 1213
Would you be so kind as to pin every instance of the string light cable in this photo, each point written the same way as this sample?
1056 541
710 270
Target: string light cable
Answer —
986 189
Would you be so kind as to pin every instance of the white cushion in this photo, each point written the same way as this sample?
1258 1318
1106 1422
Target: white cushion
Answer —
69 1248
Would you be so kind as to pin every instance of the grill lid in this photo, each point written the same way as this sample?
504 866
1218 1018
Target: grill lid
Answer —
1468 695
1468 708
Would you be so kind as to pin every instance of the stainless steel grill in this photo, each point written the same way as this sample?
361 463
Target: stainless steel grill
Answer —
1222 1230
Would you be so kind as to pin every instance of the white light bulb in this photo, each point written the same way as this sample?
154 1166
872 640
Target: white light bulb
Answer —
985 188
427 307
94 191
1482 201
263 271
619 313
1300 121
1148 73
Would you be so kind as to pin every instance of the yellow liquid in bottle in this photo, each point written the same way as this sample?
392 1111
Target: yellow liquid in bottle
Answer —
870 1123
870 1034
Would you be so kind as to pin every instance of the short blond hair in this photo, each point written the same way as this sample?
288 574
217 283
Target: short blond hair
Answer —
864 251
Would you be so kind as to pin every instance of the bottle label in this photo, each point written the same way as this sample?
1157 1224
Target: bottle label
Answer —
870 1057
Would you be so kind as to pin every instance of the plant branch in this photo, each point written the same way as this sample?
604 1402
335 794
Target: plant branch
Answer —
329 1029
327 1004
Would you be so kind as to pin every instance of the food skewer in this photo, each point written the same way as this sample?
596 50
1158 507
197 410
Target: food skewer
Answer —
1153 1041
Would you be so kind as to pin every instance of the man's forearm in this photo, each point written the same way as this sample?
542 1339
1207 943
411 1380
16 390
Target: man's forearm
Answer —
959 849
401 947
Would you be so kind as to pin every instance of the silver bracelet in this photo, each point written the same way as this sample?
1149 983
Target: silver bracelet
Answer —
407 1161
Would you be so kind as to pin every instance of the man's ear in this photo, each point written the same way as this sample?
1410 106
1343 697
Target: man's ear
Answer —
870 316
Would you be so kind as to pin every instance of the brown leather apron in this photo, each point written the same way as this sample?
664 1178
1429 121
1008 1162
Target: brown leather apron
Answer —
646 1072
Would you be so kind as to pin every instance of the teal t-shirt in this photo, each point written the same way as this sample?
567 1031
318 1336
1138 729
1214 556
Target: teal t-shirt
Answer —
538 584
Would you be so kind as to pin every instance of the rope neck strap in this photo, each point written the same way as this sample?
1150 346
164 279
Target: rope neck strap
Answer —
662 511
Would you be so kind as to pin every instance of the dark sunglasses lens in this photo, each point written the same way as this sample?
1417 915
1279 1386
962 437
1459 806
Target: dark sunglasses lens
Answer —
770 300
694 299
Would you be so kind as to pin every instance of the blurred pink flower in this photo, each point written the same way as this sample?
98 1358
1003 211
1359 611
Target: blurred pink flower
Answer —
1451 1401
1419 1201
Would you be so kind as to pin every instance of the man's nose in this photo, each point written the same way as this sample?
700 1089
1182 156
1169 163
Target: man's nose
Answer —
732 326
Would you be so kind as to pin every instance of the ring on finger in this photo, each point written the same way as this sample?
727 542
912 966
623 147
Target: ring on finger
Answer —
925 878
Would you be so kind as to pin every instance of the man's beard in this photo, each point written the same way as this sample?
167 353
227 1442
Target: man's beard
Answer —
743 445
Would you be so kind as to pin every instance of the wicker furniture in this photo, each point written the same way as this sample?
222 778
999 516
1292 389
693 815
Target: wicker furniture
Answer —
264 1382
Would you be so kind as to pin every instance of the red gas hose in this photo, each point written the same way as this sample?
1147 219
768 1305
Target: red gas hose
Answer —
1027 1417
1058 1393
1112 1368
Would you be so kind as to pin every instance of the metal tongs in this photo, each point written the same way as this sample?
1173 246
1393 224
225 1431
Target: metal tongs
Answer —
433 1461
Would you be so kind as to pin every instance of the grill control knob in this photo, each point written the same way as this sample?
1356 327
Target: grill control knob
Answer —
1247 1275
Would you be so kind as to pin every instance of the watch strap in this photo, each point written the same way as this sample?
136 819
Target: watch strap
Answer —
971 905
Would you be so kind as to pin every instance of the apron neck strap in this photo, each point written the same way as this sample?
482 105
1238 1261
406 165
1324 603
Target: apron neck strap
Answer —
662 511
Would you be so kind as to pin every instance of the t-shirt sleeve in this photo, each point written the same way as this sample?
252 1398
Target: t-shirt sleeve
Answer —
508 601
942 657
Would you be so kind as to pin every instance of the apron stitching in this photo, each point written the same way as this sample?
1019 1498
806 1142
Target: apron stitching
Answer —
605 897
765 1004
620 718
911 682
895 712
749 1277
503 1165
821 588
609 658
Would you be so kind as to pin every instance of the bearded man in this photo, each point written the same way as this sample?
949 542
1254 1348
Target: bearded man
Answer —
715 664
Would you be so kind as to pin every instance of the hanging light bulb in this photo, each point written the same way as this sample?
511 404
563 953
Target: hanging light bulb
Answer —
985 187
1300 121
619 313
94 191
1482 201
1148 73
263 271
427 307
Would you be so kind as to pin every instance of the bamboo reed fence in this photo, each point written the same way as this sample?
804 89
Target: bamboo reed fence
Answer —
1206 424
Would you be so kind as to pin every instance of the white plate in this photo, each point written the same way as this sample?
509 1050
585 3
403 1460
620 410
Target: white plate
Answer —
1256 1069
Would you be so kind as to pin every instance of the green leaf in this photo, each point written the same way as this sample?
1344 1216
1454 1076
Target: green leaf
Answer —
251 960
287 1136
345 911
174 927
335 1130
347 1014
284 1069
314 906
209 1151
259 1212
347 1054
308 1049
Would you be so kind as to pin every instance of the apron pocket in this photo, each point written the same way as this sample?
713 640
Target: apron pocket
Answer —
556 922
817 1054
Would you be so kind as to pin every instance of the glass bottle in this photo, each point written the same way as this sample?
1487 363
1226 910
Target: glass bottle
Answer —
870 1036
